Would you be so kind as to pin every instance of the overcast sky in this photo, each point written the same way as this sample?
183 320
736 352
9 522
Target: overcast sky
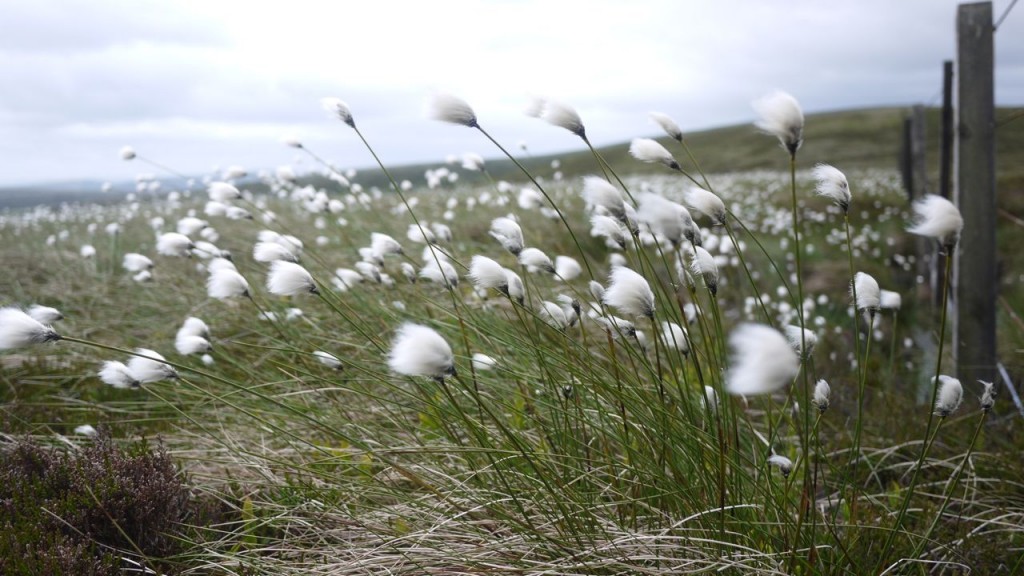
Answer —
204 84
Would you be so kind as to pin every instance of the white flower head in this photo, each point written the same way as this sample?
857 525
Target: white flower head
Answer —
782 117
133 262
87 251
483 362
127 153
193 326
44 314
869 295
673 336
441 272
118 375
150 366
290 279
710 399
487 273
567 268
951 393
822 392
988 396
420 234
473 162
599 192
420 351
553 315
339 110
174 244
85 430
810 339
704 265
507 232
18 329
668 125
222 192
610 229
596 290
832 184
563 116
226 283
762 360
329 360
534 259
267 252
187 344
651 151
383 244
706 203
452 109
629 293
514 283
937 218
673 221
785 465
889 300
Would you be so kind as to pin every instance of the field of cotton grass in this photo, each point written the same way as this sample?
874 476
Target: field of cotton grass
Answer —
600 373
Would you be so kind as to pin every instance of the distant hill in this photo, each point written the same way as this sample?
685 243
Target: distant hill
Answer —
868 138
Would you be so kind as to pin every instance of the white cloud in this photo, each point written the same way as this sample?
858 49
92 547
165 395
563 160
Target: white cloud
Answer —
220 82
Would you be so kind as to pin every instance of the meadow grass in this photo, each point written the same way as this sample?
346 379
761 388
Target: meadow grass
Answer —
584 450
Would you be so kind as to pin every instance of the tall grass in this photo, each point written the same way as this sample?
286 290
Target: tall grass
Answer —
591 447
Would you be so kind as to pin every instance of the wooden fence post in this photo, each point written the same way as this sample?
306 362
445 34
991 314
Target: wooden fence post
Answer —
976 285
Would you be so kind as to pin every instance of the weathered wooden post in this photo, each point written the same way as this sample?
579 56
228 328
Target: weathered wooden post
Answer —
974 319
946 143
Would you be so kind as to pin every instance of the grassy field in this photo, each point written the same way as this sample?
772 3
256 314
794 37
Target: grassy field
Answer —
577 448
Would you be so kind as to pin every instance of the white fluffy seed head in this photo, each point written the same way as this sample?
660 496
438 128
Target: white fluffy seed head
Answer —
668 125
150 366
44 314
629 293
226 283
187 344
610 229
133 262
118 375
810 340
599 192
889 300
667 218
174 244
420 234
534 260
868 293
193 326
781 117
420 351
127 153
473 162
483 362
553 315
704 265
563 116
988 396
451 109
508 233
486 273
290 279
268 252
832 184
651 151
441 272
18 329
596 290
937 218
673 336
329 360
950 394
223 192
383 244
339 110
785 465
567 268
762 360
706 203
516 290
822 392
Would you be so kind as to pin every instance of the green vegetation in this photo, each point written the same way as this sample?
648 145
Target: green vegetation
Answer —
584 450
